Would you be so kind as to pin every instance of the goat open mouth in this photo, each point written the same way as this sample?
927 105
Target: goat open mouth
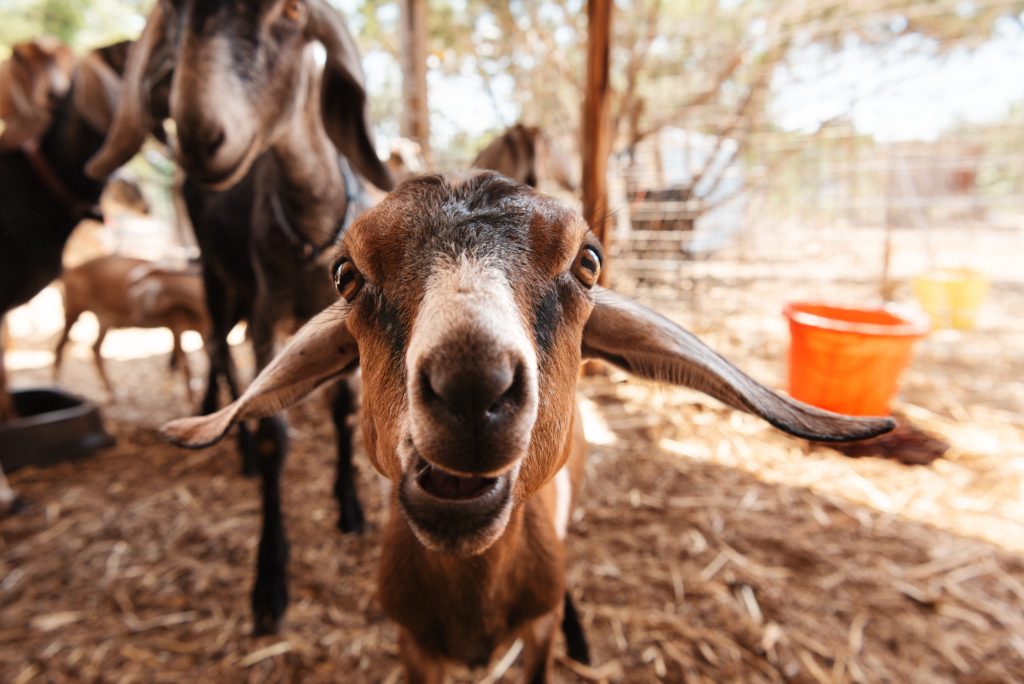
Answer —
448 487
453 514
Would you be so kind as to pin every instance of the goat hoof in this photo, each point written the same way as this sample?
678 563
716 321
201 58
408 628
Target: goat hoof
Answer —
264 625
18 505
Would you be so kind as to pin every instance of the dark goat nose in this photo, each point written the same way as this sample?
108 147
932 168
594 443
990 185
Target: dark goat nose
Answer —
204 143
477 392
473 404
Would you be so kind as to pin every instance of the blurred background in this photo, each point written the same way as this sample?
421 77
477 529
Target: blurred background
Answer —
762 153
883 138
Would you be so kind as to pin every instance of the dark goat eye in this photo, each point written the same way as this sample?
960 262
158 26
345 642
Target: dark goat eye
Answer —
347 279
587 267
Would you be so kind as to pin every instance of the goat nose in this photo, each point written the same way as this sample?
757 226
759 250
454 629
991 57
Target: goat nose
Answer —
204 143
212 141
477 392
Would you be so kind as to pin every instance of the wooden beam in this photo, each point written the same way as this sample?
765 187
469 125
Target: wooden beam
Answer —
415 113
596 123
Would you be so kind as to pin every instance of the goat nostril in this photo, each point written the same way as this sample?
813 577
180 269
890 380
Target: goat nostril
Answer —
427 390
214 142
510 396
477 392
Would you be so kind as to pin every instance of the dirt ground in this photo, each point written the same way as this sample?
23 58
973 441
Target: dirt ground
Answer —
708 547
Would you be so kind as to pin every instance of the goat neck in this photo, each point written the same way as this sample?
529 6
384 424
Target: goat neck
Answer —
312 188
516 580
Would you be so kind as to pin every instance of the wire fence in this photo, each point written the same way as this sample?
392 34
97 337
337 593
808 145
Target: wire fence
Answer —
833 215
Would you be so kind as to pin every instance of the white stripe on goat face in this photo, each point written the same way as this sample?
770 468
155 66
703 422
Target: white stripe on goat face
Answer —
462 295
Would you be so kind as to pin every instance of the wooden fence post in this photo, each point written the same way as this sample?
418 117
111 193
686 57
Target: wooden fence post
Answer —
596 124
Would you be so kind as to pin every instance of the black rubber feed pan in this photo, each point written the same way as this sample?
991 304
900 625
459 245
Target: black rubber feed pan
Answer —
52 426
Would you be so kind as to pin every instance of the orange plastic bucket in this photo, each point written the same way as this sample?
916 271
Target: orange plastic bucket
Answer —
849 360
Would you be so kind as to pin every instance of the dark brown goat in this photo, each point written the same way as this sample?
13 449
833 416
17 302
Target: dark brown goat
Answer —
260 125
45 192
528 155
469 386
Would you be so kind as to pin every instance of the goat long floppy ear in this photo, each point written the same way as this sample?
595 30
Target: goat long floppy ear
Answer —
637 339
346 113
96 91
510 154
322 350
147 60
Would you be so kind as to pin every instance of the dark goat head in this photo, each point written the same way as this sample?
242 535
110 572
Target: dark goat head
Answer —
237 74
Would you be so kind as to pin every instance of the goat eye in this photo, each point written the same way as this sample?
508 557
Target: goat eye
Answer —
587 267
347 279
293 9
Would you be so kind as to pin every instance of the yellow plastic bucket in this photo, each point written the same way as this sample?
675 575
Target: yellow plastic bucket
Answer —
951 296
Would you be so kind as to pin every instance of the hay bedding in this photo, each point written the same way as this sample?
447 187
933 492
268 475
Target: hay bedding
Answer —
707 549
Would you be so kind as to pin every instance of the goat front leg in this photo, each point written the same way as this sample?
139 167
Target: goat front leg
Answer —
350 511
538 655
270 591
224 314
420 666
9 501
575 637
70 318
179 361
97 358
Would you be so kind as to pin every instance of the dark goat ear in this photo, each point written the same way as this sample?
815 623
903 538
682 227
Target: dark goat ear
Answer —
148 61
96 91
345 106
322 350
637 339
502 154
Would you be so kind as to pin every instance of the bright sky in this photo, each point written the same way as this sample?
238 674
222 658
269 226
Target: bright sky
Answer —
895 95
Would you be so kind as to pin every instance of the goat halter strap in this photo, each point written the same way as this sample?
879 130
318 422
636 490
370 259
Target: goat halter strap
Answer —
310 250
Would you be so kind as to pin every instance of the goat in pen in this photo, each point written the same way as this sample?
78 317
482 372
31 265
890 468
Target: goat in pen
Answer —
469 306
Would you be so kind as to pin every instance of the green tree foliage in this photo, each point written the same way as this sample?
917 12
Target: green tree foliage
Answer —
703 64
81 23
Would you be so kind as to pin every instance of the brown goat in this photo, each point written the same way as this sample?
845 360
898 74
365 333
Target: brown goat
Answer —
41 156
469 306
32 80
526 154
124 292
405 159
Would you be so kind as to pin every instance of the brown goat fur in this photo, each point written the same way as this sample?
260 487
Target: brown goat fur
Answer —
32 79
469 304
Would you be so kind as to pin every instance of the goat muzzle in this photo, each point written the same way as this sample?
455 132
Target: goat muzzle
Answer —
455 513
473 408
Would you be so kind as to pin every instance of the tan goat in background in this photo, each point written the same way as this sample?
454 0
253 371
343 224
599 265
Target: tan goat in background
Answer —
123 292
